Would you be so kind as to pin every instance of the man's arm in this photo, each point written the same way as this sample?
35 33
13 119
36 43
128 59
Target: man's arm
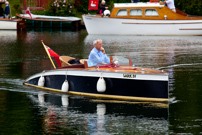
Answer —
106 59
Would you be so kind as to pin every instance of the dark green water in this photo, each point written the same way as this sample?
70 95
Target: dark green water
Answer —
27 110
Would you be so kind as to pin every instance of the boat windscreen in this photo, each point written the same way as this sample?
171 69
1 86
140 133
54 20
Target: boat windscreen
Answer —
122 60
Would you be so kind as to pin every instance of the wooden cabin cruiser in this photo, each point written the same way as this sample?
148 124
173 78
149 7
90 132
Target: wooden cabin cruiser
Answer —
113 81
143 19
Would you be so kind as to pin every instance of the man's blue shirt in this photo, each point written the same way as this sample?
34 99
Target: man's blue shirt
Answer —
96 57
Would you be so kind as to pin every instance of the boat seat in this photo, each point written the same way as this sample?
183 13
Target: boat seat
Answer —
82 60
64 60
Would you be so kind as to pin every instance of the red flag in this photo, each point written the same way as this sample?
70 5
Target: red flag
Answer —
93 5
28 12
54 54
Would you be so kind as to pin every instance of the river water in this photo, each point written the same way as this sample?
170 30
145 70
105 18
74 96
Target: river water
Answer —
27 110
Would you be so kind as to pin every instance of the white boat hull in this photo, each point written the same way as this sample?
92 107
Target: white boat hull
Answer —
52 17
8 25
116 26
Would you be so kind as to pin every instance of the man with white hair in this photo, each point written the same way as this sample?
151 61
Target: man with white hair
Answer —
97 54
7 10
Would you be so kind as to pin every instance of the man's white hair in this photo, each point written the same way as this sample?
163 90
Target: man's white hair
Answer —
95 41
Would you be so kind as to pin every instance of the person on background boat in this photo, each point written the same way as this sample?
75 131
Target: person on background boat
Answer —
7 10
134 1
1 11
170 4
97 54
103 7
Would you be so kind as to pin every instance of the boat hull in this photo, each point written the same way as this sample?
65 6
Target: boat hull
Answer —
8 25
117 84
119 26
15 24
42 21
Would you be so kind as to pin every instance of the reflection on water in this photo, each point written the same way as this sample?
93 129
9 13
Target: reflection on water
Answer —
8 36
78 115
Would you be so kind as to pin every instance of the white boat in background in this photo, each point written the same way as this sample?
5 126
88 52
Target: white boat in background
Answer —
7 24
45 21
143 19
12 24
71 18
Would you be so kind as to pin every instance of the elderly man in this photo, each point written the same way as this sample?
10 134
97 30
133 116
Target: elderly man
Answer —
7 10
97 54
170 4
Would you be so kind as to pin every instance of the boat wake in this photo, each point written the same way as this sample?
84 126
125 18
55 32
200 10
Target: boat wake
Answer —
178 65
14 85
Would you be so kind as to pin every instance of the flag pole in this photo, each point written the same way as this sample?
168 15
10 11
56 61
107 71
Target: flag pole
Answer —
48 54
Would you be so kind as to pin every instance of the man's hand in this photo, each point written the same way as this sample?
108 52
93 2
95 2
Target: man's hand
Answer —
102 49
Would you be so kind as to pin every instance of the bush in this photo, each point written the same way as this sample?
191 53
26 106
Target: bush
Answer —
16 7
60 8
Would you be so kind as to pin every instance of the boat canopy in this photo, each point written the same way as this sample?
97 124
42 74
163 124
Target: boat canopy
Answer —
140 4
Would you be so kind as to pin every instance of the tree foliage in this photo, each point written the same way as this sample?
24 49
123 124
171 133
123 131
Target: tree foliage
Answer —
192 7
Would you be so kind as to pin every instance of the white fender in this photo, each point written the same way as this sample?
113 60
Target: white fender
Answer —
41 81
101 85
65 86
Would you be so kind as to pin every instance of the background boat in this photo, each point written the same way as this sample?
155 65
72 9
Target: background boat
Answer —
143 19
43 21
12 24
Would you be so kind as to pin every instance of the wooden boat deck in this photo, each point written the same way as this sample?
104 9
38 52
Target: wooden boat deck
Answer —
107 67
120 68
